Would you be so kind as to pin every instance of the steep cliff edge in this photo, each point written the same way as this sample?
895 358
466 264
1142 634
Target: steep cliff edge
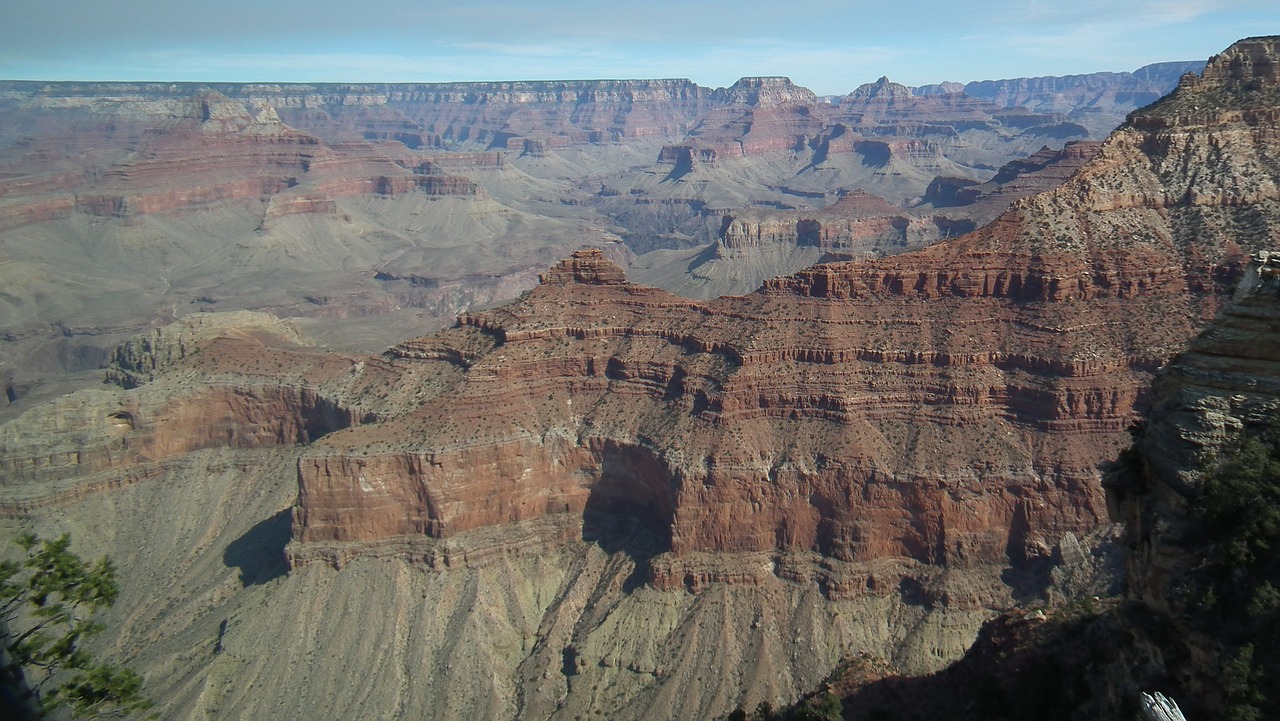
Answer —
605 499
993 372
1198 494
741 425
512 621
1197 505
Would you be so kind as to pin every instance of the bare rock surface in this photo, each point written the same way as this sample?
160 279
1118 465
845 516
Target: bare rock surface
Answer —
126 205
754 245
605 499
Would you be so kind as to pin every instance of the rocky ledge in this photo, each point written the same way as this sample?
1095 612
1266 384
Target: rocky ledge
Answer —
950 406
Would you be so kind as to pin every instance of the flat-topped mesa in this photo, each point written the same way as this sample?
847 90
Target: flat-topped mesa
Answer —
774 90
526 92
1041 171
852 226
1070 157
587 266
369 94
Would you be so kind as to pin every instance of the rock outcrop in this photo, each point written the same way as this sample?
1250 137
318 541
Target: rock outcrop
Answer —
603 496
1175 640
929 381
861 225
236 380
1224 388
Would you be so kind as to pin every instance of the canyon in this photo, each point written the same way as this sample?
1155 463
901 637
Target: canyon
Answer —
126 205
603 498
1092 657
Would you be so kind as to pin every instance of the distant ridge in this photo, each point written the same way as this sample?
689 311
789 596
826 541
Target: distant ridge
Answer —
1165 73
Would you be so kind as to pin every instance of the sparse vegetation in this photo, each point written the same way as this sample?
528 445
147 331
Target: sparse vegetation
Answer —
821 707
1235 587
48 602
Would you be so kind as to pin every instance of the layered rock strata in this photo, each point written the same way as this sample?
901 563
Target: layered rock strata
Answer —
862 456
1225 387
238 380
950 405
862 225
140 200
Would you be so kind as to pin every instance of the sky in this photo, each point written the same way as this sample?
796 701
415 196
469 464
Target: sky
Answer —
827 46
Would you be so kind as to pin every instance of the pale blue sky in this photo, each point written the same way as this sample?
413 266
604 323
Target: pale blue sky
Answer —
830 47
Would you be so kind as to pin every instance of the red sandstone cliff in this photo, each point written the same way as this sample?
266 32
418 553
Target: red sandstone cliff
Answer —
950 405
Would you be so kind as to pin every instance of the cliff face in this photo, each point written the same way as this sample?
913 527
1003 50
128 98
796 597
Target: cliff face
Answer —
774 423
863 225
540 609
925 382
1095 100
433 115
1224 388
1182 632
1195 622
132 203
603 496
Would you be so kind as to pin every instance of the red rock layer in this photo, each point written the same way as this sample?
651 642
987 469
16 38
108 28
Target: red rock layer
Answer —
950 405
216 151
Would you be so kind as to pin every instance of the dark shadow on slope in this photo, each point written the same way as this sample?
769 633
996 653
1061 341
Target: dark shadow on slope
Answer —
1029 583
875 153
259 553
708 254
683 165
639 538
1027 574
1074 664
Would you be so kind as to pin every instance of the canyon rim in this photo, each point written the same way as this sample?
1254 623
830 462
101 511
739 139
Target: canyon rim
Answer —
602 498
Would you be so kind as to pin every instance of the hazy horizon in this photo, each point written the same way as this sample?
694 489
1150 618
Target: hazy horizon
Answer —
828 47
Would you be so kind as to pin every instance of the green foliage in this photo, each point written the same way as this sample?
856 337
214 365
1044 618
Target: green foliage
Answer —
48 602
1235 589
1241 503
826 707
1240 681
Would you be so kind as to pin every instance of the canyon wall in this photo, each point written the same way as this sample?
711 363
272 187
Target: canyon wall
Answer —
750 424
131 203
602 498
